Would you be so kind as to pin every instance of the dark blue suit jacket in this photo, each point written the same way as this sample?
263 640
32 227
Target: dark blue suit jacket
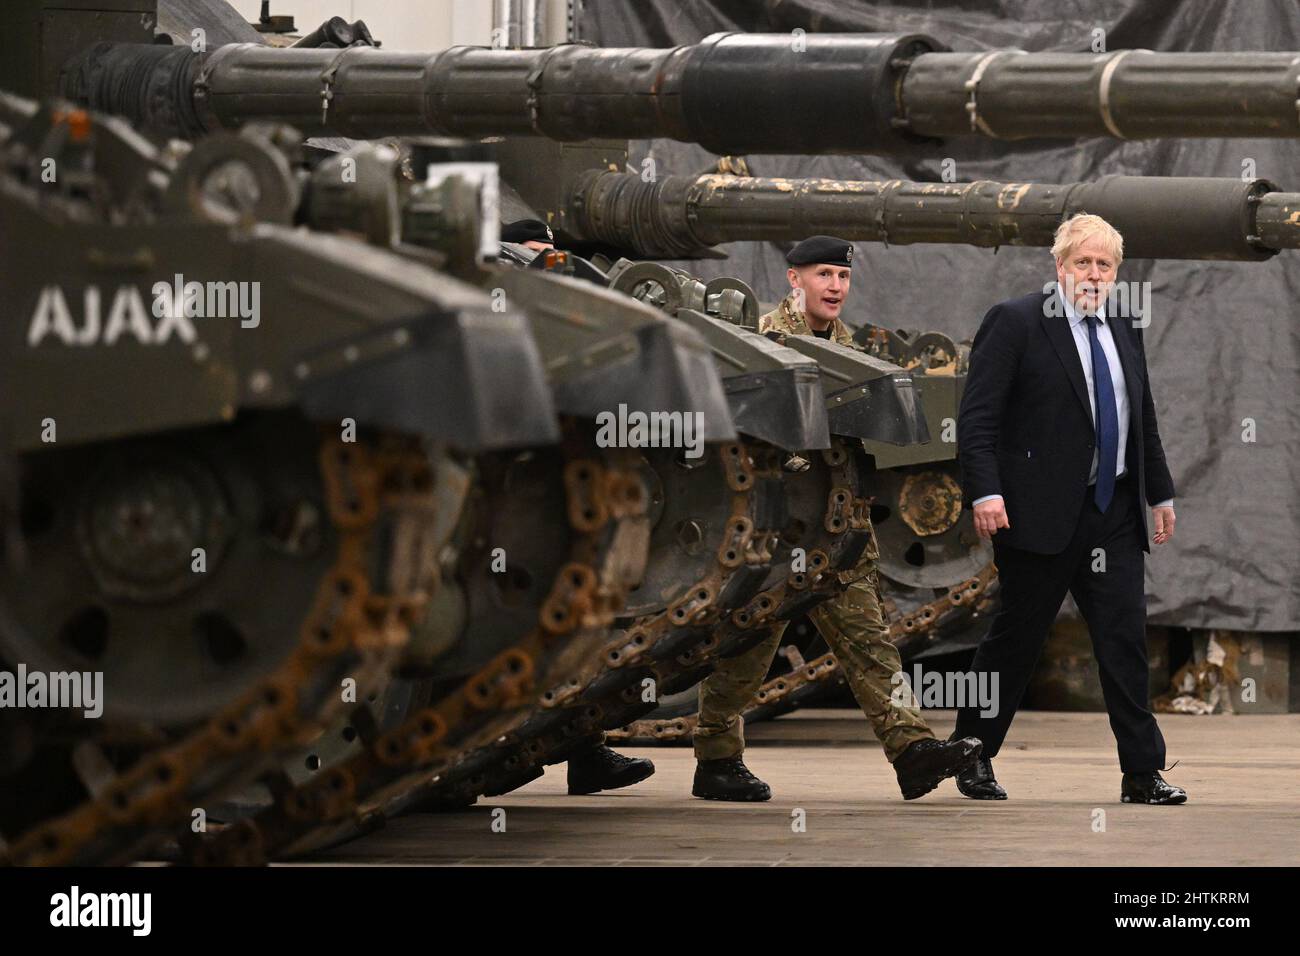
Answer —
1024 429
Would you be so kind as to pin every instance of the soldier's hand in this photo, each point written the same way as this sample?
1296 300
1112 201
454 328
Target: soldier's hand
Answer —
991 515
1163 518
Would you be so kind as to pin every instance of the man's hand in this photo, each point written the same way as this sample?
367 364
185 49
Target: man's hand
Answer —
992 514
1163 518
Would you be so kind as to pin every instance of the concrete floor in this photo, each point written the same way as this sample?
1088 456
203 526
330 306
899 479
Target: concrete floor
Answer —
1242 775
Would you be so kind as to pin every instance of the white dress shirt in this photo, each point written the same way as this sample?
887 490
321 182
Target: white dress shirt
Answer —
1079 329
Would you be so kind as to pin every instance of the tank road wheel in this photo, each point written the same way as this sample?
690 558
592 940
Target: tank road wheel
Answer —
926 538
690 503
137 560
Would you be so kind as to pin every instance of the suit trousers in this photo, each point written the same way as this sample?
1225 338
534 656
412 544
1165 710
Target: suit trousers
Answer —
1103 568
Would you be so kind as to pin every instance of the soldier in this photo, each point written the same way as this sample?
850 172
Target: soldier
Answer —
530 233
598 767
852 623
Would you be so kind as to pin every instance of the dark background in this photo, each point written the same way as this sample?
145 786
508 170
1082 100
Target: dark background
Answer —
1223 343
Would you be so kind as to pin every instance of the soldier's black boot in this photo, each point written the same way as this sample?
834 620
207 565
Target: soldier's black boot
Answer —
1149 787
927 763
728 779
602 769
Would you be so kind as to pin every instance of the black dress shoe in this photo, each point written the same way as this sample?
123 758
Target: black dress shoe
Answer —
602 769
728 779
978 783
1149 787
927 763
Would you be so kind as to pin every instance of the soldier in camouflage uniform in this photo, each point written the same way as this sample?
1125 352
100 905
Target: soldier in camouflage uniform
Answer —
852 623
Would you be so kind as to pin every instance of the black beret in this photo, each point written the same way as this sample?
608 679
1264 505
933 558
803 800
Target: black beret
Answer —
819 249
525 230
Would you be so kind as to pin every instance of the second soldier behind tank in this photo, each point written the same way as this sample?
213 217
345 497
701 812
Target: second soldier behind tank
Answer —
598 767
852 623
530 233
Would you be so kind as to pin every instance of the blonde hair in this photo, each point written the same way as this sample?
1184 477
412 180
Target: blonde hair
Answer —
1080 228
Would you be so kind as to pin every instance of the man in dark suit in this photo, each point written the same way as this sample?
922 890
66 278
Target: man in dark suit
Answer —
1060 454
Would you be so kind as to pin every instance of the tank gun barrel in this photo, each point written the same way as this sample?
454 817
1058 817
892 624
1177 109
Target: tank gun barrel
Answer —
1159 217
853 93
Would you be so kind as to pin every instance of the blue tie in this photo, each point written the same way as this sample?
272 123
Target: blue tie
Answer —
1107 420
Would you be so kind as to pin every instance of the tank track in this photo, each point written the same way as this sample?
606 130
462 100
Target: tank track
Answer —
539 675
722 613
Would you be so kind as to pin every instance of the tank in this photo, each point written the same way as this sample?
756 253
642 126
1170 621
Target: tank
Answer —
216 436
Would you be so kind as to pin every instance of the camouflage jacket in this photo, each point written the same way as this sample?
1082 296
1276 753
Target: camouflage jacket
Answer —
791 321
787 319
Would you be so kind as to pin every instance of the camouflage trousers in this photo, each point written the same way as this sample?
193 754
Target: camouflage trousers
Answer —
854 627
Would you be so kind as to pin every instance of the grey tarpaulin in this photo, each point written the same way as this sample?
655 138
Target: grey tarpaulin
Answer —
1224 341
